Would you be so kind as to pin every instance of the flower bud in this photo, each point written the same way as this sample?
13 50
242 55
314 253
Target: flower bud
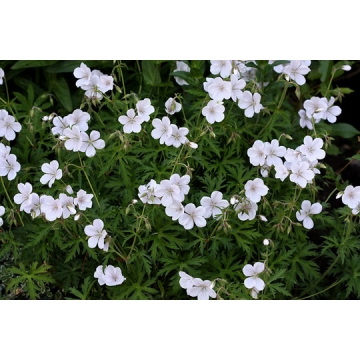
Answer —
346 67
266 242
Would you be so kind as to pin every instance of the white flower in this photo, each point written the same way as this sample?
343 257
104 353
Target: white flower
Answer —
82 73
4 151
162 129
253 280
214 204
305 121
192 215
171 106
60 124
52 173
111 276
83 200
2 212
106 83
8 127
245 208
257 153
331 111
186 281
181 66
144 109
254 189
273 152
312 148
182 182
175 210
9 167
301 173
306 211
168 192
281 172
351 196
93 88
315 107
219 89
203 289
92 142
96 234
79 118
51 208
236 86
131 122
213 111
34 208
147 193
296 71
68 206
99 274
177 137
222 67
73 138
2 74
25 196
251 103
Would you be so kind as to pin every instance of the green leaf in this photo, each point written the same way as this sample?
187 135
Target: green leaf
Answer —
61 89
325 69
25 64
344 130
151 72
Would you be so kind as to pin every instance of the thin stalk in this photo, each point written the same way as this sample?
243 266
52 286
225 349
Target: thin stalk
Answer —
9 199
136 233
88 180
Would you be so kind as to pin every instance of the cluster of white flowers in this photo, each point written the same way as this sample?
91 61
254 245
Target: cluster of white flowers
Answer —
110 276
171 193
48 206
2 212
8 163
132 120
72 130
253 282
94 82
196 287
220 89
8 126
294 70
317 109
246 206
300 163
307 210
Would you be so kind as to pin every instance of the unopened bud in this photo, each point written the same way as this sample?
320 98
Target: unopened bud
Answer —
339 195
346 67
263 218
77 217
266 242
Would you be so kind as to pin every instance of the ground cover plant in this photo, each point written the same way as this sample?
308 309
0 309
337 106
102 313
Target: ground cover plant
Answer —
176 180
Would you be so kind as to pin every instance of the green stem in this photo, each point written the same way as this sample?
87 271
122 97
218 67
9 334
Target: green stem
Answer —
283 96
136 232
322 291
88 180
8 197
